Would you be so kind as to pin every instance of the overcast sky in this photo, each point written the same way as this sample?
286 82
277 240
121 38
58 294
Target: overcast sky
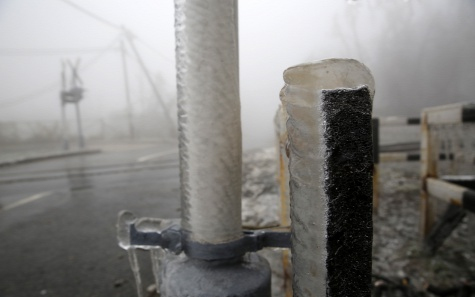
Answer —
421 53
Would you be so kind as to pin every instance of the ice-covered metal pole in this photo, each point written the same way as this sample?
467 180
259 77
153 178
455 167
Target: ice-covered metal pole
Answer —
209 119
217 261
330 164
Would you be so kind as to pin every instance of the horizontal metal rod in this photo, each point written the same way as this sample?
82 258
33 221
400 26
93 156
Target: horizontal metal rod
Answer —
451 193
451 114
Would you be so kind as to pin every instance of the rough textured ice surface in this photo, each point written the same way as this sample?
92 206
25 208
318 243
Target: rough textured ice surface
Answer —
282 159
209 118
348 166
301 98
283 177
327 74
308 215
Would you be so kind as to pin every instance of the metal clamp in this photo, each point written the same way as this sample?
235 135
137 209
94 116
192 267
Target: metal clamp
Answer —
169 238
176 241
251 241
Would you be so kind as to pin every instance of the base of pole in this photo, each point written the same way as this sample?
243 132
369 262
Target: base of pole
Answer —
246 277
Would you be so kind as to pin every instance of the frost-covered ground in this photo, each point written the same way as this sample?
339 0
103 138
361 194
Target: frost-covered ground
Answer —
261 205
260 202
396 245
396 248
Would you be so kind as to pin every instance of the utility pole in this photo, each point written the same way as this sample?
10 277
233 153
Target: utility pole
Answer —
129 36
127 91
72 95
78 118
77 93
64 129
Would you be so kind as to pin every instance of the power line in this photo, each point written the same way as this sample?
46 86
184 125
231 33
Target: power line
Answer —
130 40
93 15
29 96
108 48
154 50
46 51
54 86
50 87
117 27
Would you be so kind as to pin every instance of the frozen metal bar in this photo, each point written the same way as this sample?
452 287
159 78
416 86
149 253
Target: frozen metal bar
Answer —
398 121
446 191
451 193
330 151
467 181
209 119
451 113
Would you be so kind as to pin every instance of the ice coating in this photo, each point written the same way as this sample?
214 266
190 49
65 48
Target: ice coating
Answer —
209 119
156 255
283 164
301 98
125 219
149 225
124 223
326 74
134 264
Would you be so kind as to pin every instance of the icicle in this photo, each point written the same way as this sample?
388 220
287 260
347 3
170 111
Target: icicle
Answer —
126 218
156 255
134 264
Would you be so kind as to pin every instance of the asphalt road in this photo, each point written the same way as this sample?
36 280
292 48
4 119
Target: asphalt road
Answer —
57 219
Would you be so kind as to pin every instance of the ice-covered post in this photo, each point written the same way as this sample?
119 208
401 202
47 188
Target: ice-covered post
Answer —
210 158
329 104
209 119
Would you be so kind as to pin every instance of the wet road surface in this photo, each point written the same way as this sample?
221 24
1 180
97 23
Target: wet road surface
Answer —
57 219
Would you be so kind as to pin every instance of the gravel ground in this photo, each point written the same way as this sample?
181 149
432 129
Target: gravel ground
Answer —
396 247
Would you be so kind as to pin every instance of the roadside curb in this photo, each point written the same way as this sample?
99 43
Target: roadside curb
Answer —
49 156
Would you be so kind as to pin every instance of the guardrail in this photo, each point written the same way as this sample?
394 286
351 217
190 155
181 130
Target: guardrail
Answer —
446 130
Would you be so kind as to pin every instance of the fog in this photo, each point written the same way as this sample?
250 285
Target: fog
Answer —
421 54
